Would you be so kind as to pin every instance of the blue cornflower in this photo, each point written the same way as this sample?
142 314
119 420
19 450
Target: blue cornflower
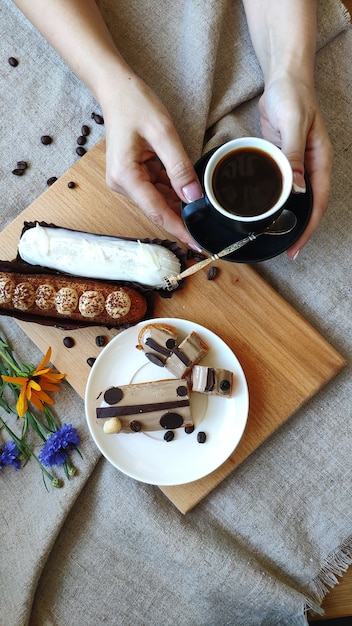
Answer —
10 455
55 449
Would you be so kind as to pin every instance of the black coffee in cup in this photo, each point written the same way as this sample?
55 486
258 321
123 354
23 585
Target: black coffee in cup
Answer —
247 182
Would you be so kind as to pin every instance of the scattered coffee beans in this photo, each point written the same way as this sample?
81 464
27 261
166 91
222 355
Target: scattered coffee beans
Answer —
71 184
85 130
169 435
100 341
68 342
22 165
212 272
46 140
80 151
201 437
81 140
97 118
91 361
51 180
18 171
189 430
13 62
135 426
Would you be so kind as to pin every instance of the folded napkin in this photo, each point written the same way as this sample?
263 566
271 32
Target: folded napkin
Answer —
267 543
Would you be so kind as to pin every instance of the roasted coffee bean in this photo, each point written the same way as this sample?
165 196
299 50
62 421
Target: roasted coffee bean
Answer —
91 361
169 435
97 118
135 426
81 151
22 165
13 62
212 272
46 140
18 171
71 184
100 340
201 437
85 130
68 342
51 180
189 430
81 140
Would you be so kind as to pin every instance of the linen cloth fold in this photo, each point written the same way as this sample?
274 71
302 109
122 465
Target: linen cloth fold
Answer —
267 543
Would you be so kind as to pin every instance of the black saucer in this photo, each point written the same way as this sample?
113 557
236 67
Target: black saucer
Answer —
213 232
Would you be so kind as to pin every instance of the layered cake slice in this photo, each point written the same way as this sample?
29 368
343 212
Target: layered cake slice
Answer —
157 341
157 405
183 357
214 381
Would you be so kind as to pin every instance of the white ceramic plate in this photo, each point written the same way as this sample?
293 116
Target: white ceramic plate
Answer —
147 456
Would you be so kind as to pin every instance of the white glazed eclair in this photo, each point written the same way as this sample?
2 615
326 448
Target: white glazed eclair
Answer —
97 256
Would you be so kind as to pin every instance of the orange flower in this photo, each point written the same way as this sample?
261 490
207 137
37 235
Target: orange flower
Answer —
35 385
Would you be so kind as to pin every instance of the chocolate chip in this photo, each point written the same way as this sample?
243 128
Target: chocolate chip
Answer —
69 342
171 420
91 361
71 184
170 343
135 426
97 118
100 341
22 165
81 140
80 151
154 359
46 140
51 180
113 395
201 437
189 429
212 272
225 385
12 61
85 130
181 390
169 435
18 171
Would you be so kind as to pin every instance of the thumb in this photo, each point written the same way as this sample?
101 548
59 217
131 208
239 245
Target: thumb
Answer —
294 148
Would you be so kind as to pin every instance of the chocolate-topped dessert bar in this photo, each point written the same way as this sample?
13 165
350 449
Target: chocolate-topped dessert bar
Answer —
157 341
214 381
157 405
183 357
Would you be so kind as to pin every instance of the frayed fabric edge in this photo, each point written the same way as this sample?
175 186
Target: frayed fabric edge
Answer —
335 565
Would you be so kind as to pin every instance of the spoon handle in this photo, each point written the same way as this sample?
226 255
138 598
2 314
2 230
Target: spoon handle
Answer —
172 281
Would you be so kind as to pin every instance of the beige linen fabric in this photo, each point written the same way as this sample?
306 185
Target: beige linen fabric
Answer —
261 548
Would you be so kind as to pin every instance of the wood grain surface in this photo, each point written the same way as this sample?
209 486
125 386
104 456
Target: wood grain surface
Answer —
284 359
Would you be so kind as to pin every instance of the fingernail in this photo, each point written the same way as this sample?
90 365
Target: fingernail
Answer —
295 255
192 191
299 184
195 247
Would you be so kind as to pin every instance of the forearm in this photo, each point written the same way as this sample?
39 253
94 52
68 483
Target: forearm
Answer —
283 34
77 31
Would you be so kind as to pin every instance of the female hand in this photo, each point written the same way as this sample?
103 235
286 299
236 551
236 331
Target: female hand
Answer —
291 118
145 157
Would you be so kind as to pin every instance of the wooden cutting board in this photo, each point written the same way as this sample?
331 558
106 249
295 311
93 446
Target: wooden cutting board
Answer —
284 359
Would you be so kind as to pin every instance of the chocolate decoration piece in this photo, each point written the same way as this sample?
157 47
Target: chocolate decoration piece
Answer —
180 355
171 420
225 385
117 411
113 395
182 390
210 379
156 346
154 359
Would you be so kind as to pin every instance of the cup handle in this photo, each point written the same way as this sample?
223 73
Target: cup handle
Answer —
196 210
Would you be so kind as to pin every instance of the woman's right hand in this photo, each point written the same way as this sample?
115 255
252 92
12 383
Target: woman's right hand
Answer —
145 159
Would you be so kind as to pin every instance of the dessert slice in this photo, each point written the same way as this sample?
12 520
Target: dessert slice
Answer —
214 381
190 351
157 341
157 405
